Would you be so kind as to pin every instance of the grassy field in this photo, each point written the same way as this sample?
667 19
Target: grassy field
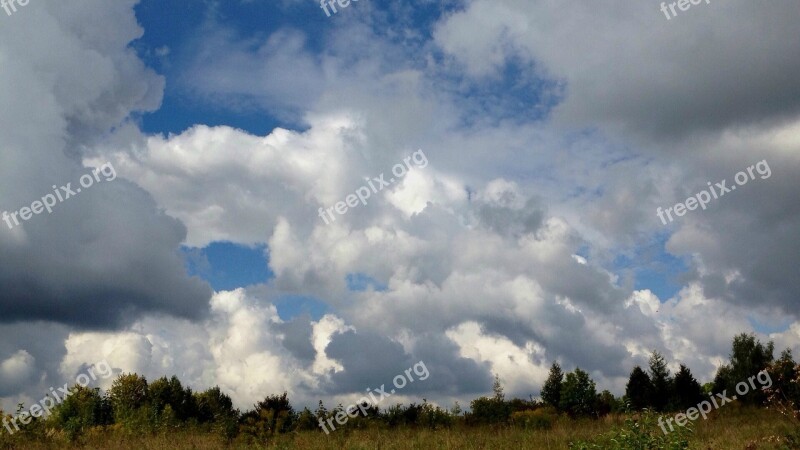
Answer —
731 428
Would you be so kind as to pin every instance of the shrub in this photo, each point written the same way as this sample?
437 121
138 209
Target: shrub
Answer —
271 416
539 419
83 409
640 432
434 417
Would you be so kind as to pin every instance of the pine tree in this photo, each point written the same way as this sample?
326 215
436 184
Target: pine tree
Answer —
662 384
551 391
321 413
639 390
687 392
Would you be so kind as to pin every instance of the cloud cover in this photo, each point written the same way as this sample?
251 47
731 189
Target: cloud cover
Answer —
497 258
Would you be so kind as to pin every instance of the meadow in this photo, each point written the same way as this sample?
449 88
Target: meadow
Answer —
734 427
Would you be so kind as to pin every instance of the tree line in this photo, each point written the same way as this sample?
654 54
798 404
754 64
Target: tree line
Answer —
136 406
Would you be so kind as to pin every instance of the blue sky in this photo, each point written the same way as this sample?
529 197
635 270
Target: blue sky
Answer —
510 95
551 135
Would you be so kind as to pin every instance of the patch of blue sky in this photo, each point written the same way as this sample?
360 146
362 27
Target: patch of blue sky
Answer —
359 282
227 266
291 306
653 268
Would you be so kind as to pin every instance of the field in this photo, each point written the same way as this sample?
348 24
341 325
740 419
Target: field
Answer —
731 428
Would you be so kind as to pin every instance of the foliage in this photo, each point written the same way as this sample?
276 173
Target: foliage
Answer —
128 394
748 357
83 409
578 394
606 403
272 415
170 393
133 407
662 384
551 390
434 417
639 390
539 419
494 410
489 411
784 394
687 392
640 432
216 408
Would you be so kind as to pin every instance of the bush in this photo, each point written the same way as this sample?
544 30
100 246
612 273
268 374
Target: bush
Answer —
83 409
271 416
434 417
539 419
640 432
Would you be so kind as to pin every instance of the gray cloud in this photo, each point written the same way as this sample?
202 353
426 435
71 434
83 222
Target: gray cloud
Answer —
107 255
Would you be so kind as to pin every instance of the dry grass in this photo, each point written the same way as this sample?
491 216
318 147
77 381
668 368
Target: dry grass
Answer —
730 428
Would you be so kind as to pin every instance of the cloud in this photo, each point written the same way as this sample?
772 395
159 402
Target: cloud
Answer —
107 255
627 66
499 257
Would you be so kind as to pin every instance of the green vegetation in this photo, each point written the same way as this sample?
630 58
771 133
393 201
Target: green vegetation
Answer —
164 414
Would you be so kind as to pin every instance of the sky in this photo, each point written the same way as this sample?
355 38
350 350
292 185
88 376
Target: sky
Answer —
539 181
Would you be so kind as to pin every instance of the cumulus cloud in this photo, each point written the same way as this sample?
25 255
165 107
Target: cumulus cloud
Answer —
498 257
626 65
107 254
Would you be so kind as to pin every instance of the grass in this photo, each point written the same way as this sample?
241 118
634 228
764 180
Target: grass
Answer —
730 428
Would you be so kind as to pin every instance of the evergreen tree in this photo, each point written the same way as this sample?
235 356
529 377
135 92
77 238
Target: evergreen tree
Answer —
321 413
639 390
497 389
660 379
551 391
687 392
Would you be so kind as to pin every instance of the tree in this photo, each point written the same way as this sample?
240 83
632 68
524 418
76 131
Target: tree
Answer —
662 384
169 392
639 390
321 413
748 357
272 415
491 410
784 394
213 405
83 409
497 389
578 394
306 421
722 379
216 408
128 394
606 403
687 392
551 391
